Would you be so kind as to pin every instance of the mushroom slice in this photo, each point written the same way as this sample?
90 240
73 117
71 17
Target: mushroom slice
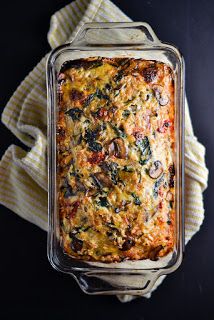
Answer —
169 196
117 147
153 255
101 180
156 169
111 149
163 101
161 98
127 244
80 186
76 244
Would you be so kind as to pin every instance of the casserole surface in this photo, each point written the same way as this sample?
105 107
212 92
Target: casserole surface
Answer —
115 159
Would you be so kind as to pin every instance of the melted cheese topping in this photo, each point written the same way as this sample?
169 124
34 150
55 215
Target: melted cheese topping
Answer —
115 154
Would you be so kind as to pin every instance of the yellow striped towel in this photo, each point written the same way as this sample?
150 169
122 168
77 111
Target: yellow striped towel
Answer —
23 175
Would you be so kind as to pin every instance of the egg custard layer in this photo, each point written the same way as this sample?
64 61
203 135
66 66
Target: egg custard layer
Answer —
115 159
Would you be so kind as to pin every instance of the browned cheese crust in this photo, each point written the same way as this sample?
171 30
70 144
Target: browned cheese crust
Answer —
115 159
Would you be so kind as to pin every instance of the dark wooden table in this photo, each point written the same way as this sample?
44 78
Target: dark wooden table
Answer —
29 287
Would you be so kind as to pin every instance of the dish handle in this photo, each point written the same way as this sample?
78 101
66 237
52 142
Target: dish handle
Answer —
97 283
115 34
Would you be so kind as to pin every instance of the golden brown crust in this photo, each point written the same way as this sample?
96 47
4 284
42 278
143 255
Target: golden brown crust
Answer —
115 155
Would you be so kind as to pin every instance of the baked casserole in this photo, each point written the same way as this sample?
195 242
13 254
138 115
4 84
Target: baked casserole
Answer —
115 159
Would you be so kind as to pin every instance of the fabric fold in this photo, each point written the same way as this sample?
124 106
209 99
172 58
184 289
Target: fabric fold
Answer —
18 189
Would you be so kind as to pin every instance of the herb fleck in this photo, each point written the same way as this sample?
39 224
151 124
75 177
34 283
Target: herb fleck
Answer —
128 169
103 202
74 113
145 149
126 113
136 199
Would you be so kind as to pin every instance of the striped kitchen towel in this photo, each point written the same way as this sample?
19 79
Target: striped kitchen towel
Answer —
23 174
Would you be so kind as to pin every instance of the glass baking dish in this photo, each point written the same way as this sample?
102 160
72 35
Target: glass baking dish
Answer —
115 40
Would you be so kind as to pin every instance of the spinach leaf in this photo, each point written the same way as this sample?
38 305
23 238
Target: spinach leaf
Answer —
99 94
90 137
119 76
119 131
89 99
81 63
95 146
69 192
124 64
128 169
112 168
103 202
136 199
126 113
74 113
145 150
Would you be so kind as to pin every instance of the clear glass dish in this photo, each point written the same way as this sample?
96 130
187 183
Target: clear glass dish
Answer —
115 40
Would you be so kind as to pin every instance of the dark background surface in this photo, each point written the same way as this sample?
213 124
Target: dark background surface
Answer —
29 287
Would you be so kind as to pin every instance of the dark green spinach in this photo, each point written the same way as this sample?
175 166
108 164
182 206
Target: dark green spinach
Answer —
74 113
144 147
136 199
